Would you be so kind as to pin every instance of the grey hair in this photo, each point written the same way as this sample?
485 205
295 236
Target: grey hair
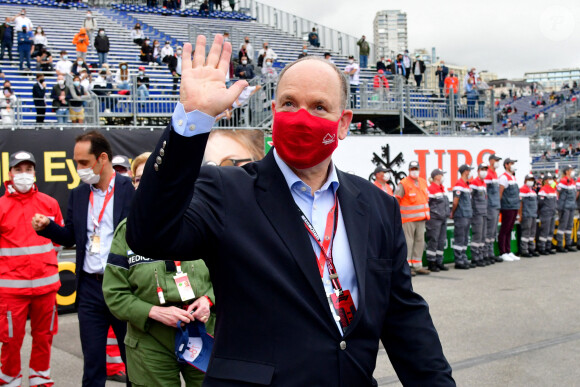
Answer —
341 76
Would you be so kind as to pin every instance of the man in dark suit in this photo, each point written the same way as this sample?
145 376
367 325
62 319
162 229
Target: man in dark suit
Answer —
38 93
308 263
106 196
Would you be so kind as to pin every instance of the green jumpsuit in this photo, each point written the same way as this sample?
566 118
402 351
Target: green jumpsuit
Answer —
130 291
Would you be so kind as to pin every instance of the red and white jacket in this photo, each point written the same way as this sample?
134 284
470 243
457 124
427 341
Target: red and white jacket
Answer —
28 262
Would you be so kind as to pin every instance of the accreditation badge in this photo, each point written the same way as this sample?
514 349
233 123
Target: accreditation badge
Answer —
184 287
95 247
344 307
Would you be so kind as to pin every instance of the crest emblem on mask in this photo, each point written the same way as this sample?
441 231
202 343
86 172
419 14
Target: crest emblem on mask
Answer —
328 139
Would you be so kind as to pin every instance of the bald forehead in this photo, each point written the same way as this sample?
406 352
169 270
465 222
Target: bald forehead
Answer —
312 75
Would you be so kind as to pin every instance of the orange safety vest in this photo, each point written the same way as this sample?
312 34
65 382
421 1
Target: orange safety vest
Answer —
415 203
387 187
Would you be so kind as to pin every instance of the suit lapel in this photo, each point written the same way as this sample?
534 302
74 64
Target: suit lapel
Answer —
356 221
82 207
275 200
118 201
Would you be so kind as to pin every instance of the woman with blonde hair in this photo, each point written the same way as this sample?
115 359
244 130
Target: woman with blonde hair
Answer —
122 77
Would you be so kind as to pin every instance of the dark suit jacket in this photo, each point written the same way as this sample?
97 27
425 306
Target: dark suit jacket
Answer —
75 227
38 94
274 325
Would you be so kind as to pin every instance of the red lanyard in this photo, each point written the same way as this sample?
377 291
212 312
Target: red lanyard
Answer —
108 197
329 234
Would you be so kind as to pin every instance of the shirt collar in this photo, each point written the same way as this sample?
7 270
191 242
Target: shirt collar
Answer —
111 185
292 180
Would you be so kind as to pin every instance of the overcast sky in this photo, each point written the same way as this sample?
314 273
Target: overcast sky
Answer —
508 37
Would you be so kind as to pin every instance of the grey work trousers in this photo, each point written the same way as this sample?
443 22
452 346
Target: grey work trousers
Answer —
491 223
436 238
528 234
547 224
415 238
478 233
461 239
565 223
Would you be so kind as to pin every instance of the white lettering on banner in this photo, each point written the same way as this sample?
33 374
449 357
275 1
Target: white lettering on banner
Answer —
355 154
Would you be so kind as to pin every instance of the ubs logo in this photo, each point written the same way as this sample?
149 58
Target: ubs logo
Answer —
393 166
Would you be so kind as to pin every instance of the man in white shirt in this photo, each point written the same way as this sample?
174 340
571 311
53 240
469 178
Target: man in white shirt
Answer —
249 48
267 52
21 20
167 50
353 71
407 64
63 66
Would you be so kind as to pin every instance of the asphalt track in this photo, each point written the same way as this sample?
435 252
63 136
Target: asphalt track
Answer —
510 324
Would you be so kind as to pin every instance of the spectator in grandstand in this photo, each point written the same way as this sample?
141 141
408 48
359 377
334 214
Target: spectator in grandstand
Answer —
122 78
59 101
418 70
232 5
76 96
204 9
244 52
103 87
174 66
86 79
39 41
109 75
452 89
413 196
461 213
25 39
44 60
398 68
304 52
441 73
249 48
407 63
90 25
142 85
547 211
102 46
7 104
63 66
226 36
364 51
79 65
244 70
38 94
156 53
388 67
436 226
479 206
313 38
137 35
269 73
382 64
328 57
242 100
267 53
380 83
82 42
509 195
166 52
471 76
472 97
353 71
21 20
6 38
146 52
528 214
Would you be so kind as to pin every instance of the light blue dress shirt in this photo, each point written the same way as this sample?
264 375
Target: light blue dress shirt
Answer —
314 205
96 263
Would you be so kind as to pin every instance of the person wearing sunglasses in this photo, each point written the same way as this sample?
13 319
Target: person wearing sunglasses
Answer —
229 148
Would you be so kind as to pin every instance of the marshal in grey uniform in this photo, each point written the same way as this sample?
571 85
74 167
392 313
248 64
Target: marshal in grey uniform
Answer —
547 209
493 206
461 219
566 207
437 226
478 220
528 215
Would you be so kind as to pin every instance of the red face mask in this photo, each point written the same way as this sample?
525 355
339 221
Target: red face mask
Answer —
303 140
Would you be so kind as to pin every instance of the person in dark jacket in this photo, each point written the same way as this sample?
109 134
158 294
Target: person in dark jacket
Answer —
44 60
436 226
6 39
102 46
146 53
418 70
244 70
78 65
174 66
441 74
461 213
38 93
509 196
566 207
59 101
528 214
547 210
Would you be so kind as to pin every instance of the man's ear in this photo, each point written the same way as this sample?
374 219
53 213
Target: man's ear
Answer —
344 123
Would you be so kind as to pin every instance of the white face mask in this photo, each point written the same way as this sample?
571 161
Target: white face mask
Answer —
23 182
88 176
414 174
61 82
244 62
530 183
387 176
550 182
573 173
125 174
350 61
482 174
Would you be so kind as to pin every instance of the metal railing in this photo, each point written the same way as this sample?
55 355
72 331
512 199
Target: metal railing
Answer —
289 23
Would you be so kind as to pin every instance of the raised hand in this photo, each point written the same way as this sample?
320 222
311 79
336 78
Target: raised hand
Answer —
203 85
